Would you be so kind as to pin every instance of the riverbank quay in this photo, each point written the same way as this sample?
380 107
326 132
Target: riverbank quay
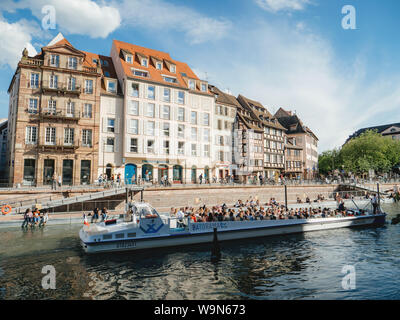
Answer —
164 198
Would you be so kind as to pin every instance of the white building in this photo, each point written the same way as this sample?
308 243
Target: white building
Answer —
111 113
165 126
223 126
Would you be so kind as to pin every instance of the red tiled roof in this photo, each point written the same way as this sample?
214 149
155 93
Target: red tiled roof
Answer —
155 75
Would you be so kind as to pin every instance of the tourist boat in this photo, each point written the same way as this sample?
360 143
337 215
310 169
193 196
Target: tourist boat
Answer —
145 228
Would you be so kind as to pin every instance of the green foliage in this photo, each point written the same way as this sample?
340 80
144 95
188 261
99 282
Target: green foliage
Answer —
329 161
368 151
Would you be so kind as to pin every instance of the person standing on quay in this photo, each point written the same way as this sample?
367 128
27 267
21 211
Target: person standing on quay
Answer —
26 218
54 182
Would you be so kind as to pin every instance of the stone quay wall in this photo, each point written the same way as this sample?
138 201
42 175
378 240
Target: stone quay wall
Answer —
193 196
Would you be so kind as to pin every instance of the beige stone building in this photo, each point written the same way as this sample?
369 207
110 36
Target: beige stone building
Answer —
53 118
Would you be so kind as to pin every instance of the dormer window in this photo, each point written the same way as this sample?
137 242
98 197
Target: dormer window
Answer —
172 68
170 79
140 73
144 62
159 65
204 87
128 58
192 84
112 86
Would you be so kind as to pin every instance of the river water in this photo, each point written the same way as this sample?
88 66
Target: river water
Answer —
301 266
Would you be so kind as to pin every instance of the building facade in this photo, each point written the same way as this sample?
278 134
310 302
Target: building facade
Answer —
143 116
299 137
248 146
54 117
3 151
273 138
388 130
167 117
223 128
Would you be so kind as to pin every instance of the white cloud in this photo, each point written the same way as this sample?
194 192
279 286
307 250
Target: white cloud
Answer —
161 15
14 38
281 66
282 5
84 17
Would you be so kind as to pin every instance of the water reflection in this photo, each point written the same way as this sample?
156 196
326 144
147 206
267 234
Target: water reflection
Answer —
301 266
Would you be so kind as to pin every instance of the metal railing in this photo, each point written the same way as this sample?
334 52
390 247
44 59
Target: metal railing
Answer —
154 183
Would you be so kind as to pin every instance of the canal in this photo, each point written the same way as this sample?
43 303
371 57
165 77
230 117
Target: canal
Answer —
301 266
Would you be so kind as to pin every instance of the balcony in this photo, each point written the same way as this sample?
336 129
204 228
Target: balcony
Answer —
31 62
58 145
61 87
59 114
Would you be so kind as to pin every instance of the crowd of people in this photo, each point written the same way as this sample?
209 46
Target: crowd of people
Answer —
252 209
35 218
113 181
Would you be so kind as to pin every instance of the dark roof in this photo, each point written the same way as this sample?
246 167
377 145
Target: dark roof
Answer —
378 129
282 113
3 125
293 124
223 98
259 113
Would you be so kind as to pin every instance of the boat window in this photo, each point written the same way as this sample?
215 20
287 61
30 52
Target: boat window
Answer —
107 237
132 235
119 236
145 211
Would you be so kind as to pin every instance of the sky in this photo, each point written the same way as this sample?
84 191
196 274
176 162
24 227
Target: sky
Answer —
293 54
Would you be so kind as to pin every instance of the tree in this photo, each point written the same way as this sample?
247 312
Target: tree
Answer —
329 160
370 151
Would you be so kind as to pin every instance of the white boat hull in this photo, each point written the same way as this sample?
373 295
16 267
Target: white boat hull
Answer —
198 233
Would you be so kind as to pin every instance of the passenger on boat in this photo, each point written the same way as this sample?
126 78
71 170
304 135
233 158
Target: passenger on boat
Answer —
104 213
95 216
180 215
